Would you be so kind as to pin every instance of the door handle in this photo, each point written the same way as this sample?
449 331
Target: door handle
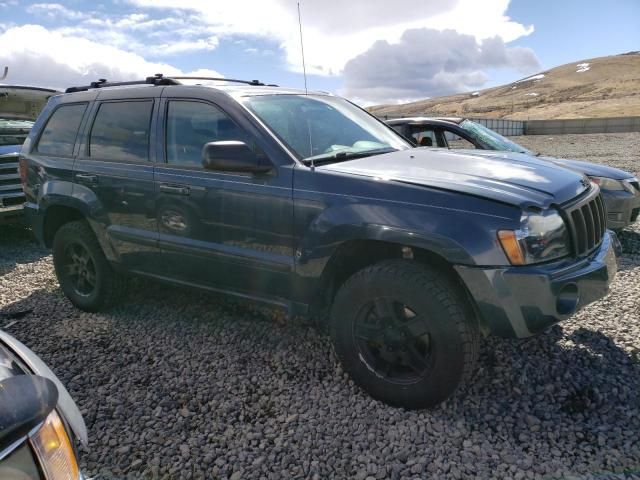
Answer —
175 189
87 179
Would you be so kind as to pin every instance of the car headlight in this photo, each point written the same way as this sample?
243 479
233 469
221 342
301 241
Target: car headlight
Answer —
540 238
54 450
612 184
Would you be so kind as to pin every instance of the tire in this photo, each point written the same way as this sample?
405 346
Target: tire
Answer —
77 253
405 333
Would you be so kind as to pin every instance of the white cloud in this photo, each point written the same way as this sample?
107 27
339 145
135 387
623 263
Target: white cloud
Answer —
142 35
336 31
55 10
452 63
37 56
135 32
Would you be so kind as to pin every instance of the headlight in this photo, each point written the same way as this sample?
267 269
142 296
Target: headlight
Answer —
540 238
612 184
54 450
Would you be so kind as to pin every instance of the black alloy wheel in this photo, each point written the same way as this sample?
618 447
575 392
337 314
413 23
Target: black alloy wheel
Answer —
394 340
405 333
79 268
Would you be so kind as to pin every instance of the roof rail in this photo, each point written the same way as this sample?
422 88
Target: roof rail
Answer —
159 79
222 79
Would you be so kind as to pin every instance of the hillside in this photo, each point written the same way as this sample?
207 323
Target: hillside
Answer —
596 87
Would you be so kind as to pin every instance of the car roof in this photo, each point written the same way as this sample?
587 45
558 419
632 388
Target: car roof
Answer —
425 120
235 91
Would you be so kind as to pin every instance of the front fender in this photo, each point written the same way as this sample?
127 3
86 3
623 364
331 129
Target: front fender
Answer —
460 238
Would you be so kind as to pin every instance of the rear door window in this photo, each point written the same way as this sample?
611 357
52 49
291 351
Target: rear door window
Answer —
121 131
59 135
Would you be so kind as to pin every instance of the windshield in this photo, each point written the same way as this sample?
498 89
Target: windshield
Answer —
13 132
317 127
491 139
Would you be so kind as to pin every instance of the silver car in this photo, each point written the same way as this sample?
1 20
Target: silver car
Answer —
620 189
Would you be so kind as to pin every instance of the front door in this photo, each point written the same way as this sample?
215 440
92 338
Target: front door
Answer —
225 231
114 174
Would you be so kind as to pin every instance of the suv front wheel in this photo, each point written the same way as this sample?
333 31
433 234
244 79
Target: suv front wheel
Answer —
404 333
83 271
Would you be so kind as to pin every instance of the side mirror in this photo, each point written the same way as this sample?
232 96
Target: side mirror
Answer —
232 156
25 402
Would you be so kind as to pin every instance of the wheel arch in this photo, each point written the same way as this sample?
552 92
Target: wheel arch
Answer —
354 255
56 216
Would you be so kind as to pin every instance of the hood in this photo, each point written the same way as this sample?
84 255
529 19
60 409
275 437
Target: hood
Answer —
23 103
586 168
590 169
501 176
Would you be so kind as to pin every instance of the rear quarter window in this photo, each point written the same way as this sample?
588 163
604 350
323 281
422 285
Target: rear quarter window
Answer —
121 131
59 134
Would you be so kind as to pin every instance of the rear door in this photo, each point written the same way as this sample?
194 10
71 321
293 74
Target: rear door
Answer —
223 230
114 174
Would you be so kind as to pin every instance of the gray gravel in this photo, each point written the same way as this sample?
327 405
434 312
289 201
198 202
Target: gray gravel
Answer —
179 384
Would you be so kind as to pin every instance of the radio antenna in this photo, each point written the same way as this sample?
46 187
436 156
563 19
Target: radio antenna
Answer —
304 68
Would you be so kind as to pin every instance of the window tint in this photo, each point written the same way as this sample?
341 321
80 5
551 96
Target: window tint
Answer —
425 138
121 131
190 125
59 136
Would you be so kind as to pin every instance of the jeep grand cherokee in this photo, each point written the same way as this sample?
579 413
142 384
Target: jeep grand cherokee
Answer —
307 201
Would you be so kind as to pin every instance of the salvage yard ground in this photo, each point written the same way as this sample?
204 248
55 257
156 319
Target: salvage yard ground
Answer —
180 384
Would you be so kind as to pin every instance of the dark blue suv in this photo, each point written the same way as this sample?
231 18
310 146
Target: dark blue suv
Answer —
308 202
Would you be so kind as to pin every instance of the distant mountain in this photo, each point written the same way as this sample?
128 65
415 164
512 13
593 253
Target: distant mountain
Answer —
596 87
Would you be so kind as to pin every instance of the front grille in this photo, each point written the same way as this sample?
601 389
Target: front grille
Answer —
587 222
10 188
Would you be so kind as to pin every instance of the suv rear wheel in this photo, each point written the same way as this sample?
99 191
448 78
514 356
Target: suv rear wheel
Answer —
83 272
404 333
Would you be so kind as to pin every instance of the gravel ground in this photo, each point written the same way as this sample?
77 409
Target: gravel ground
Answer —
178 384
620 150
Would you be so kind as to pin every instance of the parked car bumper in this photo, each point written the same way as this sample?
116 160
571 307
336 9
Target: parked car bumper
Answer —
14 213
522 301
623 208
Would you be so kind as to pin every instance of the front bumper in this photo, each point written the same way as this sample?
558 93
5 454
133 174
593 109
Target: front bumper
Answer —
623 208
522 301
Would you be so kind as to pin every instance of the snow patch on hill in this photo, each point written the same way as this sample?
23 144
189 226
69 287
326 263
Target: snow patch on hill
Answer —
534 77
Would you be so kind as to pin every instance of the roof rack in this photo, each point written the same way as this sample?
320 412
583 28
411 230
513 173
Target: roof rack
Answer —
247 82
159 79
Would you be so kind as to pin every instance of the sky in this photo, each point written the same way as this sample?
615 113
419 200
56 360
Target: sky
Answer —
371 51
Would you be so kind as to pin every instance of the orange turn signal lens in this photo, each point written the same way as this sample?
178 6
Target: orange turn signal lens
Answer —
54 450
511 247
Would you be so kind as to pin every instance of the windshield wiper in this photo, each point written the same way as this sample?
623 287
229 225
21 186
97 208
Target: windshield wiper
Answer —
342 156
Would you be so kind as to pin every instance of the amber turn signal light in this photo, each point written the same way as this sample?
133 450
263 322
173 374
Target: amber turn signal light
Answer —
511 247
